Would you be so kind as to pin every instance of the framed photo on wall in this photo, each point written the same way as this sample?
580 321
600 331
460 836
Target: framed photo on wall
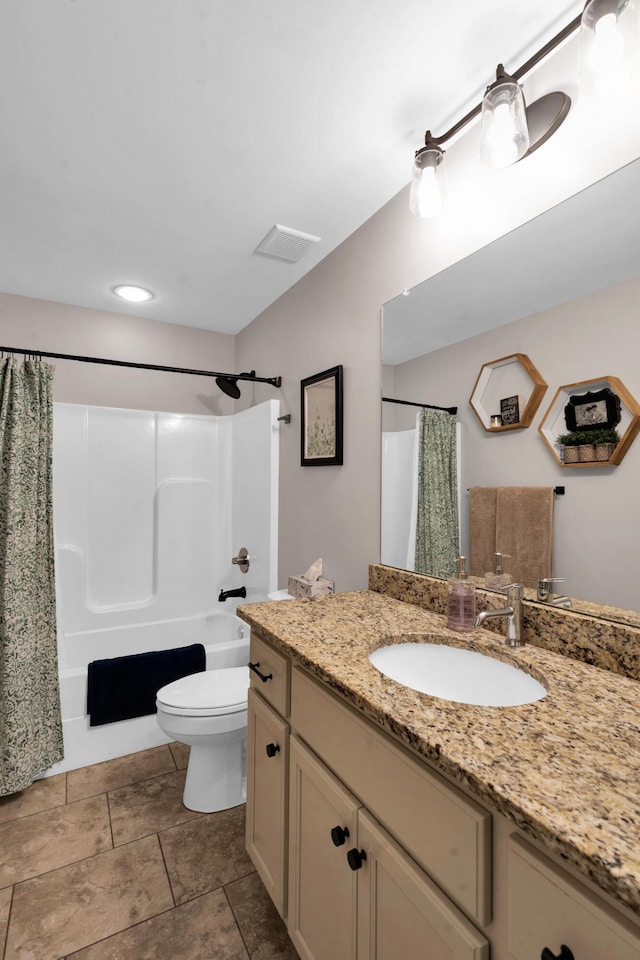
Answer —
321 418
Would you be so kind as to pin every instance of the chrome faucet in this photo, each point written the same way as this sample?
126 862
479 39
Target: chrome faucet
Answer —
513 613
545 592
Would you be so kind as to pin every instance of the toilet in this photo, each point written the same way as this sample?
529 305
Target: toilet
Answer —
208 710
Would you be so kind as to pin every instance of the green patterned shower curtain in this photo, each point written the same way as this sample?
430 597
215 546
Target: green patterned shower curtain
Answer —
437 537
30 721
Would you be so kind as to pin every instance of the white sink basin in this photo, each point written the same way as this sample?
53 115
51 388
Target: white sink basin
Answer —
453 673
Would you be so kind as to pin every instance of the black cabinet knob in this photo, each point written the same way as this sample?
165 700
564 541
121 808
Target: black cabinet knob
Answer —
339 835
356 858
565 954
272 749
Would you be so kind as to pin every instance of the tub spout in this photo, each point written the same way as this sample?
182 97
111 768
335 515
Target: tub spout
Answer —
238 592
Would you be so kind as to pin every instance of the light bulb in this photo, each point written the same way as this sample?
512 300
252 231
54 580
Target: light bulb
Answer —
504 136
608 45
132 294
426 185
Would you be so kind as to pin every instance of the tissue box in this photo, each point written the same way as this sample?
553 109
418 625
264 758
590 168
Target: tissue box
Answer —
301 587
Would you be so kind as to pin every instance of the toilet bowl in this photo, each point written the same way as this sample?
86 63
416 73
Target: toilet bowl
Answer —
208 710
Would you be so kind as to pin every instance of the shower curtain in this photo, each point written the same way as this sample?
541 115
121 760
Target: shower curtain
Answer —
30 722
437 536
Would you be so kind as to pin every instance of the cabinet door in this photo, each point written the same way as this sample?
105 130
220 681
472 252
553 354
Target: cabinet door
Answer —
322 887
548 908
402 914
267 796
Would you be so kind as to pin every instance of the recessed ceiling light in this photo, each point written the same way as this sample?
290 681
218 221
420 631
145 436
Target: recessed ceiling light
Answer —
132 294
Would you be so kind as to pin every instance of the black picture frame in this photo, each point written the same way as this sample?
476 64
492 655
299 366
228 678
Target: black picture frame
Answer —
593 411
321 419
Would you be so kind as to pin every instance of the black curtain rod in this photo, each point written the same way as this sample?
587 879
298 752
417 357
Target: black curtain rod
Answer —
425 406
275 381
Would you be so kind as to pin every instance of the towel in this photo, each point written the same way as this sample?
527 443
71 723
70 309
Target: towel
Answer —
524 531
482 529
125 687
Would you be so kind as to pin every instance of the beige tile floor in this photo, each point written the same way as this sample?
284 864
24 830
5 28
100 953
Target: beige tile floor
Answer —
105 863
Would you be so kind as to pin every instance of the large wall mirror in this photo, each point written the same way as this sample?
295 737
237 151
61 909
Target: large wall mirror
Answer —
563 289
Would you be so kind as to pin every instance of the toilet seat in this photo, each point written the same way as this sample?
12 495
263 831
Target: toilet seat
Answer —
211 693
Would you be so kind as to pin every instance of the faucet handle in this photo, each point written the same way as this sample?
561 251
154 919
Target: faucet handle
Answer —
545 586
514 591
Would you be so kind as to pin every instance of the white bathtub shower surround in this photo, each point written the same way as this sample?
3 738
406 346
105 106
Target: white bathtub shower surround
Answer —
149 509
226 642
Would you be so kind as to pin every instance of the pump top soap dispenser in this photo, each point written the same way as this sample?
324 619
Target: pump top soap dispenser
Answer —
461 599
497 579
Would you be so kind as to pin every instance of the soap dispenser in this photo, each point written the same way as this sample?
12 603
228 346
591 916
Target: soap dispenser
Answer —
497 579
461 600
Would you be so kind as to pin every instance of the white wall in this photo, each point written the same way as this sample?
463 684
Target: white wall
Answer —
596 336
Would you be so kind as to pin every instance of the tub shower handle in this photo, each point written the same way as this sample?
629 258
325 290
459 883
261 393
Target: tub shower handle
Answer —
264 677
272 749
242 560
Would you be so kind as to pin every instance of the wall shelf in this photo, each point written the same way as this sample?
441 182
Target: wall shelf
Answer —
553 423
513 375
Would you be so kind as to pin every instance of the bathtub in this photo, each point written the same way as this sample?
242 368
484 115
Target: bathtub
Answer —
226 641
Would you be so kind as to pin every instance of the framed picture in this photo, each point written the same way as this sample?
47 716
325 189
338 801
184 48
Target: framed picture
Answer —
321 407
592 411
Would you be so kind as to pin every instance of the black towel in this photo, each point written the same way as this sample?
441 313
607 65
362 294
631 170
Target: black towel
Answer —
126 687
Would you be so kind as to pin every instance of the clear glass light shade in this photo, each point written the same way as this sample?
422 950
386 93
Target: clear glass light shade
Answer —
427 184
609 46
504 135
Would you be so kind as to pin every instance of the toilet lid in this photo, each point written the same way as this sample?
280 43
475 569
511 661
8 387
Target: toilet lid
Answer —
211 692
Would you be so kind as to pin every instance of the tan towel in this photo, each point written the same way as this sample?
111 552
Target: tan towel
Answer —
524 530
482 529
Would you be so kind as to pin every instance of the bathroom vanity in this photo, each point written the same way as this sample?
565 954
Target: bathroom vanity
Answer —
382 820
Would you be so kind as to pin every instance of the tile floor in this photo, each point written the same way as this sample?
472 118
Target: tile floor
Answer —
105 863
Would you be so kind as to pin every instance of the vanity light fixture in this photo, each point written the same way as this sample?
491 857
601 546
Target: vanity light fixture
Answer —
132 293
511 129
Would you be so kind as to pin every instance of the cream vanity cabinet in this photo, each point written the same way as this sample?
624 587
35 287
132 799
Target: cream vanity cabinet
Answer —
345 886
268 768
369 854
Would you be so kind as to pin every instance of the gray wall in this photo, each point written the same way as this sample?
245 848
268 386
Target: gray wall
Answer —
592 337
60 328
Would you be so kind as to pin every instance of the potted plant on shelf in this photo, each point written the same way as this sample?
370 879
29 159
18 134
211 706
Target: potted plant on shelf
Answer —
589 446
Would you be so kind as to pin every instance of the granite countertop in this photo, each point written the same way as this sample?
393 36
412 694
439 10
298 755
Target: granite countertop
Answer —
565 769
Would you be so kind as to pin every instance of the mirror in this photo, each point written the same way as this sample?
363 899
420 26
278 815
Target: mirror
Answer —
564 289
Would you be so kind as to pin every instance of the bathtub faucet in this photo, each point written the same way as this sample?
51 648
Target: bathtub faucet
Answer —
238 592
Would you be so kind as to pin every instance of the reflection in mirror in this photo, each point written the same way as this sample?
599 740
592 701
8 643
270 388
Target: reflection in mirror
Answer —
564 289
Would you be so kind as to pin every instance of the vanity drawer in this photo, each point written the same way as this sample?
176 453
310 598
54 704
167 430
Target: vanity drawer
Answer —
446 833
548 908
274 666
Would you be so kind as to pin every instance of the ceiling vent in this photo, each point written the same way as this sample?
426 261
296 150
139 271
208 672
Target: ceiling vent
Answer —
286 244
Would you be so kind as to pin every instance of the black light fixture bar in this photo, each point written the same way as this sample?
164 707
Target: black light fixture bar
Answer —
518 74
274 381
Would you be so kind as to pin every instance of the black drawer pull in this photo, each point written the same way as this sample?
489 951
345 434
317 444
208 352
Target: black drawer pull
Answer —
356 858
565 954
339 835
263 677
272 749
